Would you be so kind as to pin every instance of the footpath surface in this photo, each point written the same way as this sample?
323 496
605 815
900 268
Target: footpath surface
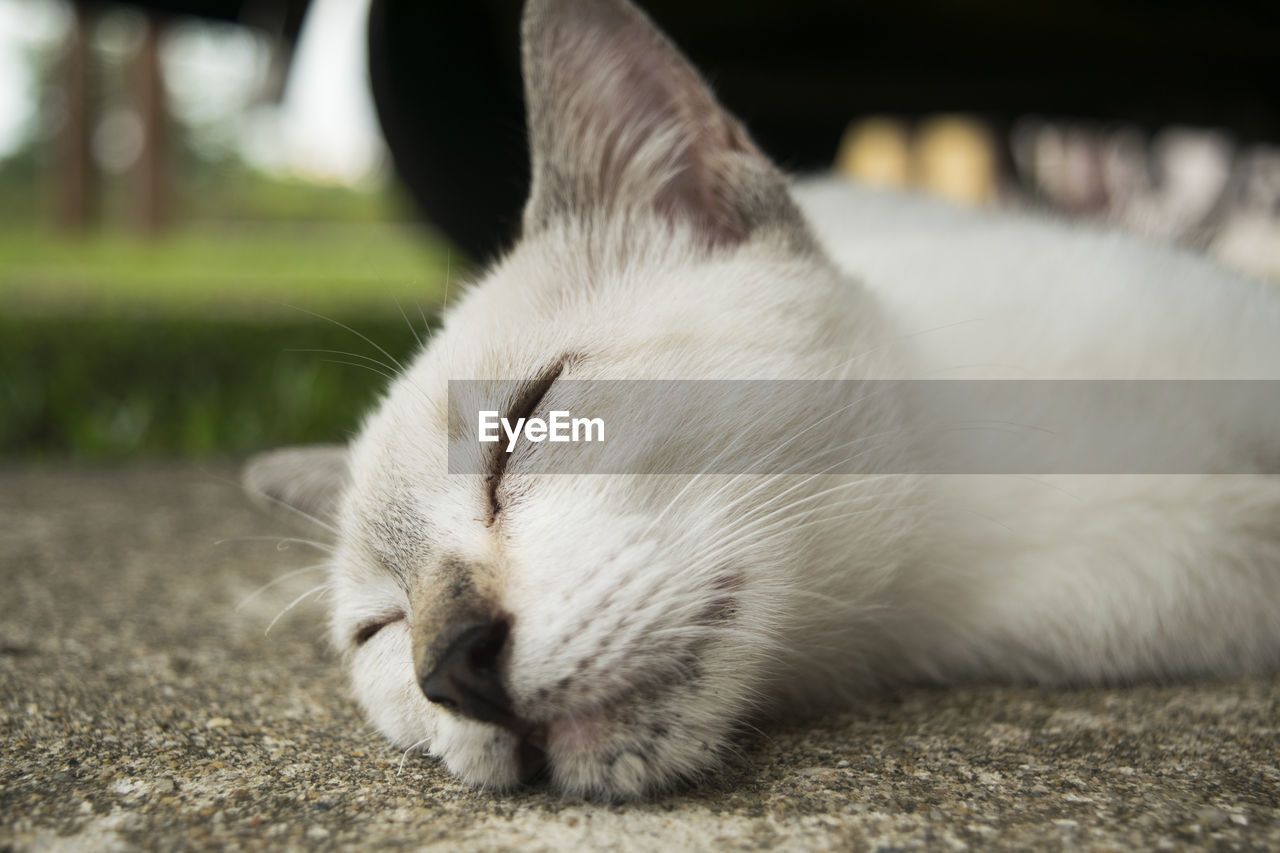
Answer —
141 706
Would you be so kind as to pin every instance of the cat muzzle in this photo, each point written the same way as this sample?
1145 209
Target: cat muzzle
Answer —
468 681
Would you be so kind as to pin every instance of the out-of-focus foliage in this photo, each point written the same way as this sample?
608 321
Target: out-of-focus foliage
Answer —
103 388
256 268
115 344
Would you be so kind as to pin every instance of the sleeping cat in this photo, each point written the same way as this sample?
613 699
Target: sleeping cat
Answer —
614 631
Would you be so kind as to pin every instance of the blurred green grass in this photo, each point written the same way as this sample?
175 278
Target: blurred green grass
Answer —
254 268
115 346
108 388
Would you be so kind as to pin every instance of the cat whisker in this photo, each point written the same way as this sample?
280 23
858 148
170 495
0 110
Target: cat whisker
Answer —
427 327
692 481
404 755
412 330
298 511
282 542
810 477
274 501
365 358
783 527
784 444
731 444
897 432
757 731
841 517
381 373
284 577
362 337
744 536
833 601
448 274
735 531
752 517
292 604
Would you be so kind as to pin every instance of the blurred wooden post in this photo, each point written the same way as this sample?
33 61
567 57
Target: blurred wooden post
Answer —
151 180
75 176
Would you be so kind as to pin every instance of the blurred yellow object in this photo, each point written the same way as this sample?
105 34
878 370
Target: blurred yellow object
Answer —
955 157
875 150
952 156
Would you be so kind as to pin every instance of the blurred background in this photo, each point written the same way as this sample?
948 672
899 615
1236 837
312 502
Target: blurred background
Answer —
222 222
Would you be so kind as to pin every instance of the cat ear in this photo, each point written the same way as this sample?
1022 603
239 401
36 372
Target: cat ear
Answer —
308 480
619 121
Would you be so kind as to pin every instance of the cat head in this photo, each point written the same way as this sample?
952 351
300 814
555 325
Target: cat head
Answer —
614 630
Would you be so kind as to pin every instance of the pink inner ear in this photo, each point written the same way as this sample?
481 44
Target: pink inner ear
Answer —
661 94
603 87
705 190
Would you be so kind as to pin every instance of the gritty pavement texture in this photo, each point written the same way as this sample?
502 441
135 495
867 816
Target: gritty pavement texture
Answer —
142 706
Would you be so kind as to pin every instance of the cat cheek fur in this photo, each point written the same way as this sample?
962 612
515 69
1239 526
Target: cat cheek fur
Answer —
639 656
382 681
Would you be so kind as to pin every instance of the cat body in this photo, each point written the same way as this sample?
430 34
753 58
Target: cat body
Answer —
618 629
1069 579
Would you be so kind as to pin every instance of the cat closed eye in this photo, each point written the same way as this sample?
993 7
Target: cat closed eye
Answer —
523 408
368 630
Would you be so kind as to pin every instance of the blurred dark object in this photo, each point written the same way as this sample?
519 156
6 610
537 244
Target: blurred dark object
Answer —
446 77
152 184
447 84
75 184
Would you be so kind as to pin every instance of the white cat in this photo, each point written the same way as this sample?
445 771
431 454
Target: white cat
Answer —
618 629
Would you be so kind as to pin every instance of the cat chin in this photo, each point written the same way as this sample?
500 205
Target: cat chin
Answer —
615 751
578 733
584 754
596 753
619 754
482 755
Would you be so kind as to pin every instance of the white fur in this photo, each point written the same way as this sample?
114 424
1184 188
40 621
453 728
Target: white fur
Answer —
1057 579
652 615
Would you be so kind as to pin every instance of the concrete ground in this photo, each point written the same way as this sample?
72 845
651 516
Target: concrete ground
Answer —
142 706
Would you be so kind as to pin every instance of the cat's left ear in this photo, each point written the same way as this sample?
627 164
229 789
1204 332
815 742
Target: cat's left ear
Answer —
308 480
619 121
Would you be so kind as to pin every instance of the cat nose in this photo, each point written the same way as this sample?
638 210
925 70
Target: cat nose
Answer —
467 679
